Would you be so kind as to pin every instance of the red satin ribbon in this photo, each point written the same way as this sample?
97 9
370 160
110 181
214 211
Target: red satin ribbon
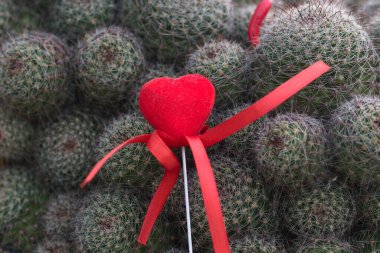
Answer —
257 20
159 145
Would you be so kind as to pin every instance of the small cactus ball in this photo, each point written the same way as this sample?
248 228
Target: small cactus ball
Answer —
66 148
59 215
171 29
55 245
15 136
109 62
324 211
291 149
299 37
110 221
245 203
355 135
21 205
74 18
257 244
322 246
225 64
34 74
134 165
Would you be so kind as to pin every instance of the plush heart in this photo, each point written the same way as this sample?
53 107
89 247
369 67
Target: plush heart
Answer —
177 106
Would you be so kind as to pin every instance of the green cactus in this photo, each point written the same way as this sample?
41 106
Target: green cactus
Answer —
246 206
323 212
291 149
109 62
34 73
369 209
240 21
317 30
53 246
257 244
355 135
366 241
74 18
225 64
110 221
323 246
134 165
15 137
66 148
21 205
172 29
59 215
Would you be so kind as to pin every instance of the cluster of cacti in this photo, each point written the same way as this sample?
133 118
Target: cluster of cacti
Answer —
302 179
225 63
316 31
109 62
66 148
34 74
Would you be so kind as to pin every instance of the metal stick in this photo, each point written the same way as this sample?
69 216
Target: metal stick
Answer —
188 220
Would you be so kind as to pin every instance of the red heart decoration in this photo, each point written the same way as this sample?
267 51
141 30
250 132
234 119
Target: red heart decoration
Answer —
177 106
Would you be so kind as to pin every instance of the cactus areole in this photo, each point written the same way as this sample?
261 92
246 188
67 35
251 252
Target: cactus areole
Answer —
178 109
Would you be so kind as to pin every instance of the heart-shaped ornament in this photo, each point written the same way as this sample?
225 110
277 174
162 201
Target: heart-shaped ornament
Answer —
178 106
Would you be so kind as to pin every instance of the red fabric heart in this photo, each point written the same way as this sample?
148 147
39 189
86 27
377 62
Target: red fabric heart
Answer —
177 106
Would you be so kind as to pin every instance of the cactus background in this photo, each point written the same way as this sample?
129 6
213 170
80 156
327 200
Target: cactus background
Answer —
303 179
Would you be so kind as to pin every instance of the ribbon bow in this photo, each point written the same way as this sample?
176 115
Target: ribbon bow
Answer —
160 144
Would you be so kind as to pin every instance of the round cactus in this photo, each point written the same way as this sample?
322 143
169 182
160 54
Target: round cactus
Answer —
322 212
53 246
369 211
322 246
34 73
290 149
15 136
21 204
225 64
246 206
58 216
173 28
110 221
257 244
366 241
355 135
66 148
109 62
76 17
317 30
134 165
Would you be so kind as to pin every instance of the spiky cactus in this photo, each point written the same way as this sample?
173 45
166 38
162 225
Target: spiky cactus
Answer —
59 215
322 246
109 62
316 30
110 221
225 64
34 73
171 29
66 148
366 241
325 211
246 206
257 244
21 205
355 135
15 136
291 149
134 165
53 246
74 18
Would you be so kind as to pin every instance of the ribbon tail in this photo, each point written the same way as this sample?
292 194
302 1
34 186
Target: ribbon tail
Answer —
265 104
172 167
210 196
95 170
257 19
